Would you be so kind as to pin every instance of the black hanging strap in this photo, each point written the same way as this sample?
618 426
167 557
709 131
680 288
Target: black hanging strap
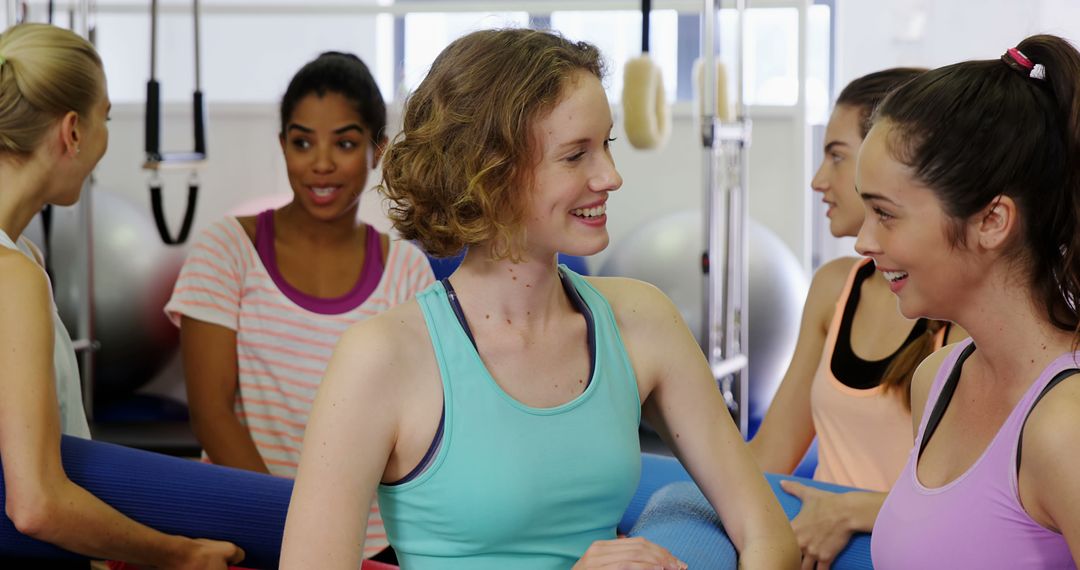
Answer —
159 212
155 158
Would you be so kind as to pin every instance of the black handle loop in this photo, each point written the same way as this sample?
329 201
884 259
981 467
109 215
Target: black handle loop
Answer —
155 158
159 212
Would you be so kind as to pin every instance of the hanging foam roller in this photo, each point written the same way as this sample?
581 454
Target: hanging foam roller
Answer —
646 116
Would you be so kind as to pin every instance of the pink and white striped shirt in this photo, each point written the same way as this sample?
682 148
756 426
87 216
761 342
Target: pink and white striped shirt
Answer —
282 347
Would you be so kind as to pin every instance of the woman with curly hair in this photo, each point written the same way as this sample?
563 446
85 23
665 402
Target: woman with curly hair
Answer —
497 414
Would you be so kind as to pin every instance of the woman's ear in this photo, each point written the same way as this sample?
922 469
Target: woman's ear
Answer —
70 138
999 221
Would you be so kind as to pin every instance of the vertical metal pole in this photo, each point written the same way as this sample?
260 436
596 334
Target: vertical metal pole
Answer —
198 46
725 160
85 261
81 23
739 338
708 104
153 39
85 298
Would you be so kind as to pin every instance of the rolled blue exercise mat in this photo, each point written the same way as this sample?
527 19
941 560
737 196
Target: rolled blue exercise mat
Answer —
173 495
670 510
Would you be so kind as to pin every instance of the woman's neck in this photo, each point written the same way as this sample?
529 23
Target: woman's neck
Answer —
22 190
293 222
527 293
1015 339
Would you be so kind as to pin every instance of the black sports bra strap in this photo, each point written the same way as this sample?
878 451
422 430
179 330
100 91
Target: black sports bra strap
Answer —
1050 385
945 397
575 299
451 296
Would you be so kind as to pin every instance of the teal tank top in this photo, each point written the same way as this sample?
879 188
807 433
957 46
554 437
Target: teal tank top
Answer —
512 486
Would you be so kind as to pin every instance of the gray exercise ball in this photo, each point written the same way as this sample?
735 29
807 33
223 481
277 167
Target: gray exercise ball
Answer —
667 253
134 273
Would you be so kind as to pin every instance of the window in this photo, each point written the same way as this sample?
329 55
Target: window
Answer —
426 34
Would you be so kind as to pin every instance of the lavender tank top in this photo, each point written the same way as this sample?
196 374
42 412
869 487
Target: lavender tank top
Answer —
976 520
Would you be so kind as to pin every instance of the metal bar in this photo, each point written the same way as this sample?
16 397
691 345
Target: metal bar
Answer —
82 344
646 9
153 38
84 329
83 26
198 67
84 226
300 8
730 366
708 105
740 37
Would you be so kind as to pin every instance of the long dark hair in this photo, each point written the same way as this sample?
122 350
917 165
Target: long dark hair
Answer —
977 130
867 92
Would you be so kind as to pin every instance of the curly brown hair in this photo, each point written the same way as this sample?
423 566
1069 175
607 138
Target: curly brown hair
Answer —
455 174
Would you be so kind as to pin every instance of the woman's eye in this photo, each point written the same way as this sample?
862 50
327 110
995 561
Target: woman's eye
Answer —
347 145
575 157
882 214
301 144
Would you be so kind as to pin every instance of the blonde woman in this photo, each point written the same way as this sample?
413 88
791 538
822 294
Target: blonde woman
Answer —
53 112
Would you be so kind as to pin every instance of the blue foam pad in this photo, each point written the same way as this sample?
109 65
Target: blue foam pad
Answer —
444 266
656 471
678 519
702 534
175 496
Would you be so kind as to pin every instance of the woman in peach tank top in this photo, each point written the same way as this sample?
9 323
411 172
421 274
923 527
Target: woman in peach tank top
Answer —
848 380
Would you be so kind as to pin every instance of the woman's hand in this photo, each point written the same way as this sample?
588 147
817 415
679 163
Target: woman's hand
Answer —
827 520
628 554
206 554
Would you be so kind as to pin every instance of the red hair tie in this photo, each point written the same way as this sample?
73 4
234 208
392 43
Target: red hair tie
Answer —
1020 58
1035 70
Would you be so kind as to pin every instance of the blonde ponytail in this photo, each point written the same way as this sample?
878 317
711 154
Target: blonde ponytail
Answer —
46 72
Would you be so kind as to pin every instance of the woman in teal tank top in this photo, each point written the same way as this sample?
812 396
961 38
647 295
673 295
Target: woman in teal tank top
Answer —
496 416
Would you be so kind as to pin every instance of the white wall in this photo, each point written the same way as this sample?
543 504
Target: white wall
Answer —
246 166
880 34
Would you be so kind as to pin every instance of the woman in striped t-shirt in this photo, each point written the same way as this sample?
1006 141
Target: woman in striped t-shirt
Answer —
262 300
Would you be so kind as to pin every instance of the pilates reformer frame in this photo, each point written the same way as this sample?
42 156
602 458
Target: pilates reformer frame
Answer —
725 262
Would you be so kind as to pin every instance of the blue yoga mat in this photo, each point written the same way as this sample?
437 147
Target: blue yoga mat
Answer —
189 498
670 510
175 496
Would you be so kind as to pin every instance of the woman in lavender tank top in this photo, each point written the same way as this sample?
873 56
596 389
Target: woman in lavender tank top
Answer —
971 181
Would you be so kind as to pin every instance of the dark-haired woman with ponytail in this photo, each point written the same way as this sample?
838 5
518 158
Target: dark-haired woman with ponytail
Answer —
262 300
971 181
847 384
